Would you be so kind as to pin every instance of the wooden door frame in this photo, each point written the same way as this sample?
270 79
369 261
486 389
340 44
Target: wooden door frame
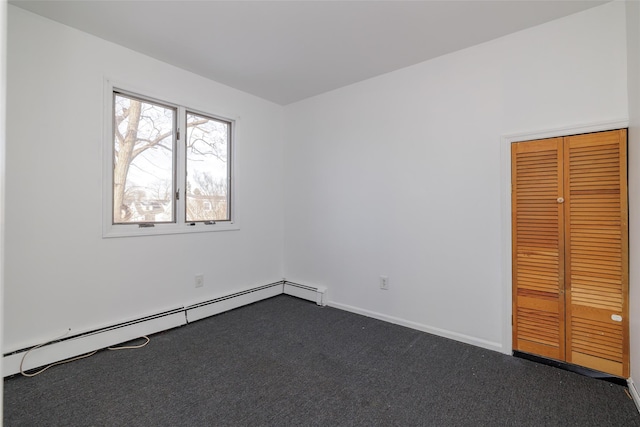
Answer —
505 182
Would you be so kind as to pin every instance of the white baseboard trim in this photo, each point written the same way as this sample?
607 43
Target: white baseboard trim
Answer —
316 294
489 345
81 343
634 392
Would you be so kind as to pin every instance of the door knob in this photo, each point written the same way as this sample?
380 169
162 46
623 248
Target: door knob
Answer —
560 199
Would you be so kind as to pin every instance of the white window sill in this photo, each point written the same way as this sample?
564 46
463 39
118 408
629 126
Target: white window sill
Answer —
163 229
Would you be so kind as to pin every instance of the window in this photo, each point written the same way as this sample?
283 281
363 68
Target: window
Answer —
144 139
208 142
170 168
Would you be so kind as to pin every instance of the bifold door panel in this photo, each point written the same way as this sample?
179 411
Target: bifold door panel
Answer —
570 250
538 250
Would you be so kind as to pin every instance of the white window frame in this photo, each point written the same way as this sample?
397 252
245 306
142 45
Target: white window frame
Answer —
180 226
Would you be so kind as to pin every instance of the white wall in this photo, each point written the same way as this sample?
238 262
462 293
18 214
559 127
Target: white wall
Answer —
633 73
401 175
60 272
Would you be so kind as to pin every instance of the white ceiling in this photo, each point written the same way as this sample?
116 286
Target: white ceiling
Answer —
285 51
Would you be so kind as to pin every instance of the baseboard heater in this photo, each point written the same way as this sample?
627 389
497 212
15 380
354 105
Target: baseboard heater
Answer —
75 344
311 293
229 302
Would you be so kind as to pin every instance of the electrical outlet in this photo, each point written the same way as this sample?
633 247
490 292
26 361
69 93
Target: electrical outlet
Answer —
384 282
199 280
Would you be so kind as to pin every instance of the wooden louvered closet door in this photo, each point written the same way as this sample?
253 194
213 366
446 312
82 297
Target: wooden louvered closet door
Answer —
538 251
596 236
570 250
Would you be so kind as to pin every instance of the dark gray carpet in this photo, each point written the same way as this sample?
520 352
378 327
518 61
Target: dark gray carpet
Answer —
288 362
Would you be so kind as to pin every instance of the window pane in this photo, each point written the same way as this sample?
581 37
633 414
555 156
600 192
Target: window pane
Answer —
208 143
143 165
